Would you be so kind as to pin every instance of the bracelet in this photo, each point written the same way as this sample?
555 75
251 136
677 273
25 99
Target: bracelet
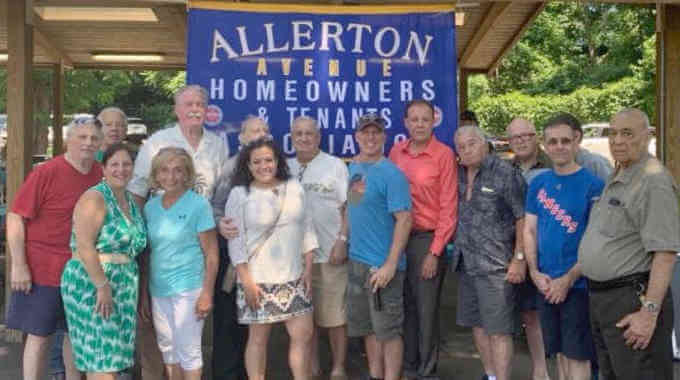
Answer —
103 284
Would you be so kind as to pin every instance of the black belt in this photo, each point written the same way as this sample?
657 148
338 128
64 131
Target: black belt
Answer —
634 280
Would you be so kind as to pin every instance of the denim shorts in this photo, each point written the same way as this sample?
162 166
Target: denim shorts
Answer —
566 326
488 302
527 295
40 312
363 316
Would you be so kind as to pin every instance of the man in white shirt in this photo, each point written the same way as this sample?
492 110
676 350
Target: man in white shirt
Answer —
207 149
325 180
209 152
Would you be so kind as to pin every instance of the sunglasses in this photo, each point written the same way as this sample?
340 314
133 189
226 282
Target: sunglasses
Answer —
87 120
371 117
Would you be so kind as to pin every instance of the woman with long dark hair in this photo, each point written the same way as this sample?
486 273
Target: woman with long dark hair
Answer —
272 255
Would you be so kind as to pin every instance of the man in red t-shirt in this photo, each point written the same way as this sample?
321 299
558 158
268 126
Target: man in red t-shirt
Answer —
38 234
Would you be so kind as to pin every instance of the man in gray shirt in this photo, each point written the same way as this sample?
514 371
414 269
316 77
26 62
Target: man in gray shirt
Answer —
627 253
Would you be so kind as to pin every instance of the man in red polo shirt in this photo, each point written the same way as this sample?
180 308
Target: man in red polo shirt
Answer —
430 168
38 233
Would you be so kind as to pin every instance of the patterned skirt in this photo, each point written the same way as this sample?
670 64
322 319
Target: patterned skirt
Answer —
279 302
101 345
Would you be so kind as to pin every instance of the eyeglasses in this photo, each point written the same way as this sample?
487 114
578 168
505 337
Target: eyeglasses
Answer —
563 141
522 136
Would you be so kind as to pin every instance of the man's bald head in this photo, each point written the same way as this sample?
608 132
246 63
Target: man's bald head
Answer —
628 136
522 136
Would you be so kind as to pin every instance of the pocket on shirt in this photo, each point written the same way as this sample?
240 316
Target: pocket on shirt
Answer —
615 221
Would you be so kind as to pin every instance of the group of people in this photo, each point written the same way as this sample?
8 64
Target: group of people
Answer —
135 252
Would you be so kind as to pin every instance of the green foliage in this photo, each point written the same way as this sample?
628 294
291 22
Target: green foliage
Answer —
576 44
588 104
165 81
588 59
156 116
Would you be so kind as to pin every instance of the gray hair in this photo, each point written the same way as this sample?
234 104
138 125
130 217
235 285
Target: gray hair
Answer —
470 129
635 112
114 109
305 119
191 87
81 122
250 119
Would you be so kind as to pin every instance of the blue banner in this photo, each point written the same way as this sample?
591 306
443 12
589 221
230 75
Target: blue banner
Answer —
330 63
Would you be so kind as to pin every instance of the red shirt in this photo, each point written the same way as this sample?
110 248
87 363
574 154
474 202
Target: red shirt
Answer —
46 201
433 177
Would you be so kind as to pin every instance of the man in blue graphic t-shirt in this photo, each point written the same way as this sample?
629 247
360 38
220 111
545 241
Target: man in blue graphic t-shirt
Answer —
379 219
557 209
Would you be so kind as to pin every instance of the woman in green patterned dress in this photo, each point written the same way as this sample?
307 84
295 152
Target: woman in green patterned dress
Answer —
100 283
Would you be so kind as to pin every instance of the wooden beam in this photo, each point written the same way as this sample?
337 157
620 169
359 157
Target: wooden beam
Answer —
463 90
515 39
19 107
52 49
57 109
669 80
175 17
495 13
108 3
658 118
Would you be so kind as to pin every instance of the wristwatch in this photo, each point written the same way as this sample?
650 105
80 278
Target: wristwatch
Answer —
519 255
651 307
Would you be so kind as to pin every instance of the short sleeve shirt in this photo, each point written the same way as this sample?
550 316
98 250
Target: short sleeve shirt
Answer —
177 261
562 205
636 215
324 179
208 160
376 191
46 201
485 237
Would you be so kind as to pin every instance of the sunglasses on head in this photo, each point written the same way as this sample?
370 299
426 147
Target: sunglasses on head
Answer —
371 117
85 120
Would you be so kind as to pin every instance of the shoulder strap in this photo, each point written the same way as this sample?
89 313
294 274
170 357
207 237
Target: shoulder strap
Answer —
270 231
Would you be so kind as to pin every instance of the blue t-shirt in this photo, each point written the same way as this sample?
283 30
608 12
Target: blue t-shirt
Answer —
562 205
376 191
177 262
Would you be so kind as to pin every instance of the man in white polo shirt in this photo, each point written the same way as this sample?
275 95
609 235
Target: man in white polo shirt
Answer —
324 179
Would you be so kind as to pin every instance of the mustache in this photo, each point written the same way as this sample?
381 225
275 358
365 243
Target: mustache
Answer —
194 114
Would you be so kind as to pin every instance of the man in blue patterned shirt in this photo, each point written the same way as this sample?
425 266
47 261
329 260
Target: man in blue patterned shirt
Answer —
488 255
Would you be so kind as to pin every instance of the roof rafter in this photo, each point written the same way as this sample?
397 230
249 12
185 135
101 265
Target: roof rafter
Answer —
495 13
108 3
175 18
518 35
51 48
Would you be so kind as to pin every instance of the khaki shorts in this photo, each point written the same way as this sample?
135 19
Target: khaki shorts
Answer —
329 283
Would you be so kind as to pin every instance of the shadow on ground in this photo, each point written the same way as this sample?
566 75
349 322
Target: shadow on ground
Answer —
458 358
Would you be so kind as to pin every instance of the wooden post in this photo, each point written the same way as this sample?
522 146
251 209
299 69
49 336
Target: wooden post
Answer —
463 90
58 109
19 108
668 81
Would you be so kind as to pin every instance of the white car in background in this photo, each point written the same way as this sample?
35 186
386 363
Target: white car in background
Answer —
136 126
596 139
